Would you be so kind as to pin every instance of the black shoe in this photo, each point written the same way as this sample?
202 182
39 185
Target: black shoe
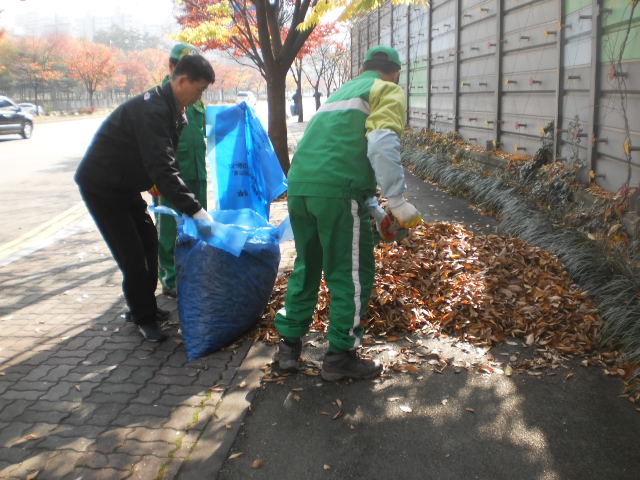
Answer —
161 315
151 332
169 292
289 356
337 366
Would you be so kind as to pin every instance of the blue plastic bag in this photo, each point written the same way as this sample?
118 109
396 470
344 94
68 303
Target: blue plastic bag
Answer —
222 294
245 169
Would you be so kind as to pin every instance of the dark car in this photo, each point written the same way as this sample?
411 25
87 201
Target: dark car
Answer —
13 119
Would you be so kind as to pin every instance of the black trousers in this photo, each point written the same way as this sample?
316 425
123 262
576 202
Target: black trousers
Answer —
132 238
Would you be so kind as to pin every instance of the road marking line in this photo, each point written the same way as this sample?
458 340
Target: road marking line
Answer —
44 230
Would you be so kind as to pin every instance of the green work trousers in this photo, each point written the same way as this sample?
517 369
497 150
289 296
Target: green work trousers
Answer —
167 233
331 235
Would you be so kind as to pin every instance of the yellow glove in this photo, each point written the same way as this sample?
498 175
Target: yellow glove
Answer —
406 214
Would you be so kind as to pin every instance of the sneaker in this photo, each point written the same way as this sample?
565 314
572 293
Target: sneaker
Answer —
289 356
337 366
161 315
151 332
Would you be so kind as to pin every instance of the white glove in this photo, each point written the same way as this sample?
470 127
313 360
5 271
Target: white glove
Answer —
202 214
204 222
406 214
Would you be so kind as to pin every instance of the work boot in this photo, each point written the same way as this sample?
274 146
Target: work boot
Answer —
289 355
337 366
151 331
161 315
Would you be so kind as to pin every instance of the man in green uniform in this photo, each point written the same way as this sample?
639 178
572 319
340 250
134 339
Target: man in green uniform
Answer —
351 144
191 157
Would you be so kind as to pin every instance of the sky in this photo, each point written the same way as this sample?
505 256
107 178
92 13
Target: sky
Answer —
145 12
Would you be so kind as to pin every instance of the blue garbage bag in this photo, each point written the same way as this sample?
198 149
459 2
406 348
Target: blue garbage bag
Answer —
221 293
245 169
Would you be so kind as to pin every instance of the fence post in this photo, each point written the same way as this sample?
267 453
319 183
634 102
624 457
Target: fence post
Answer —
498 97
594 89
456 67
409 66
559 80
428 85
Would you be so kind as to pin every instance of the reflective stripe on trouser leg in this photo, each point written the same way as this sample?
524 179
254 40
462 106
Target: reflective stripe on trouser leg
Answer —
348 267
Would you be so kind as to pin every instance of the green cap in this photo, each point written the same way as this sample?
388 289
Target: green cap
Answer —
391 53
182 49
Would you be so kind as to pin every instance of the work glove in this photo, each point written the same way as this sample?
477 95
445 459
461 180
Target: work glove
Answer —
405 213
204 222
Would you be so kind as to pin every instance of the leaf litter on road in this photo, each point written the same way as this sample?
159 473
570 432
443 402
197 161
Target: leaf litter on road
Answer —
481 289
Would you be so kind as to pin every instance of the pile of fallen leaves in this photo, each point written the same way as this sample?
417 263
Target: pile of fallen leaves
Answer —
481 288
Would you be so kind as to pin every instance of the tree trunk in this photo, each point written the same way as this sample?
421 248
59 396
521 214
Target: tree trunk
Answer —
277 116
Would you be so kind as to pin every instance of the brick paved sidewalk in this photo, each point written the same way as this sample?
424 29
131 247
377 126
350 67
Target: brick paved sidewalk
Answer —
82 396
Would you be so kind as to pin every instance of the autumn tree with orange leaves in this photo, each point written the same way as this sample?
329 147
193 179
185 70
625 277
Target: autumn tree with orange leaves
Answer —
93 64
38 62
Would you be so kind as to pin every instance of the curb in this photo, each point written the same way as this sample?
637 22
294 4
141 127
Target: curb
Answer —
211 449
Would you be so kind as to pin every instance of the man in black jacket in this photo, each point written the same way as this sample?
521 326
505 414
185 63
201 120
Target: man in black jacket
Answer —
132 151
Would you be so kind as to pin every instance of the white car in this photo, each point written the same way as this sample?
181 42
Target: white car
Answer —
248 97
32 108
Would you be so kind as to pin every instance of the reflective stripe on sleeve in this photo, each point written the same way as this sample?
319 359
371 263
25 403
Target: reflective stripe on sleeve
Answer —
351 104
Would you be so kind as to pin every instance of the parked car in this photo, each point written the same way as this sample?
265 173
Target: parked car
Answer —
13 119
248 97
32 108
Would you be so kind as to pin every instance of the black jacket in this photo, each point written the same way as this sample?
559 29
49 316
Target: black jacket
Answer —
135 149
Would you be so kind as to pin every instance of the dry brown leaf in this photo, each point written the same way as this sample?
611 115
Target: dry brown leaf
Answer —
233 456
470 410
257 463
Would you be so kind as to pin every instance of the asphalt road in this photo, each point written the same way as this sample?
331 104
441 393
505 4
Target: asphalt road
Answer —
37 184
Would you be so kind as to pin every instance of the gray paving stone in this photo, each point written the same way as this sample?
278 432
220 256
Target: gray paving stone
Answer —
120 374
185 390
75 443
58 372
49 406
13 455
31 415
34 462
99 474
38 373
61 464
58 391
155 434
22 394
118 461
121 398
144 449
115 388
110 440
148 468
14 408
42 386
183 417
149 393
172 380
79 392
